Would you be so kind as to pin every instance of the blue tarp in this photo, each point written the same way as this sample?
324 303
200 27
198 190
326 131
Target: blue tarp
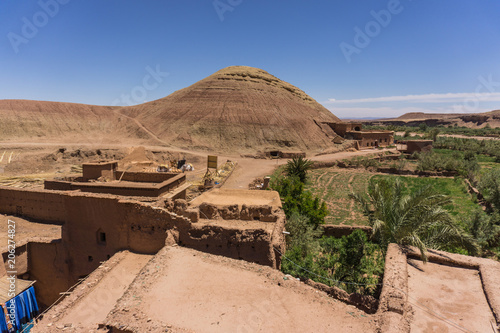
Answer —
22 308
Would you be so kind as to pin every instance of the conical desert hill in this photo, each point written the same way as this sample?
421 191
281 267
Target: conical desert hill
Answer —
237 109
64 122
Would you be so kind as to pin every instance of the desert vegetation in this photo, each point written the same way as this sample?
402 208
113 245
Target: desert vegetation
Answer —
354 260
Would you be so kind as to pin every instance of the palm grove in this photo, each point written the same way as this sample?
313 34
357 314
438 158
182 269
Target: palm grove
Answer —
355 263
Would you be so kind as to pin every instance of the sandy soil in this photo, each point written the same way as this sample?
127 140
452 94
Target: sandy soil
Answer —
191 291
27 231
456 294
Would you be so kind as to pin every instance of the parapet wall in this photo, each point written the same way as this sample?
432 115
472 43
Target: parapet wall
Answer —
263 213
145 177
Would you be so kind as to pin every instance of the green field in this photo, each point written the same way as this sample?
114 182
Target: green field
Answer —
463 202
333 185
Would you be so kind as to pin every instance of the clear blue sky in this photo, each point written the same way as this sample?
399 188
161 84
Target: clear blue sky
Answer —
435 56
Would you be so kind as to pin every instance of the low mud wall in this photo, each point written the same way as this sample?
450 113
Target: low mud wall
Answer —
117 188
395 171
263 213
255 245
369 304
46 262
250 245
145 177
42 206
394 310
337 231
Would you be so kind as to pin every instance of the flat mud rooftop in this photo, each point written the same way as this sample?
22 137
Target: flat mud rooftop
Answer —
438 291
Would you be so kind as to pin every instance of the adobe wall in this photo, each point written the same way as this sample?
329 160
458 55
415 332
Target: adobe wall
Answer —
47 266
97 170
117 188
372 139
21 260
255 245
42 206
145 177
394 309
251 245
342 128
263 213
418 146
337 231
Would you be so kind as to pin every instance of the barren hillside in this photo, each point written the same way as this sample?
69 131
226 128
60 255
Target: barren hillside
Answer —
64 122
237 109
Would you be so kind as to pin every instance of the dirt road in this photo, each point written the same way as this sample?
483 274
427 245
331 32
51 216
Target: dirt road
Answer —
248 168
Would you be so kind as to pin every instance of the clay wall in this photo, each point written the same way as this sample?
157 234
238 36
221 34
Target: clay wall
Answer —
263 213
21 260
42 206
250 245
342 128
96 170
145 177
47 266
118 188
148 226
88 217
57 185
337 231
418 146
372 139
284 154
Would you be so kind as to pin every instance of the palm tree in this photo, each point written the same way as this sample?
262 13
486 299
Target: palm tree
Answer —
417 219
298 167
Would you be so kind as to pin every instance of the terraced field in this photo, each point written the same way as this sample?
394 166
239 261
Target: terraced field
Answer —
333 186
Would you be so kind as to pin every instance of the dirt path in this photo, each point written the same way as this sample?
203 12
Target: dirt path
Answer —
95 306
205 293
248 168
447 292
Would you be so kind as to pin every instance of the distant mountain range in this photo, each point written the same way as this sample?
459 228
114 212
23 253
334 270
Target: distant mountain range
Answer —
472 120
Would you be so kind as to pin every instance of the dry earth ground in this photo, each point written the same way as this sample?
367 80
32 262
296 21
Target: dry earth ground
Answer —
191 291
447 299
